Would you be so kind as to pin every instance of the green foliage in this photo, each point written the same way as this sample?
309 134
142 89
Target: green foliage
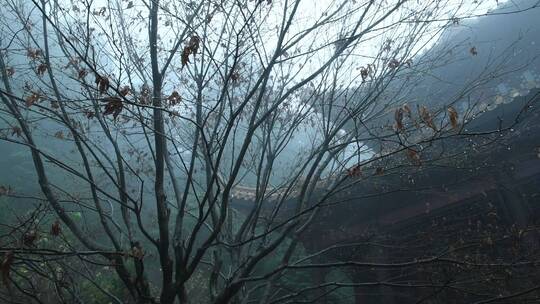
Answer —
108 281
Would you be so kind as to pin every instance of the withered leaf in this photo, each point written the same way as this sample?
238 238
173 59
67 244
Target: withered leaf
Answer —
235 77
41 69
192 47
174 98
125 90
10 71
398 116
426 118
145 90
59 135
73 61
81 74
407 110
100 12
33 54
6 267
55 228
114 106
364 73
89 114
32 99
185 56
194 44
137 251
102 83
393 64
354 171
413 156
409 63
16 131
30 237
453 114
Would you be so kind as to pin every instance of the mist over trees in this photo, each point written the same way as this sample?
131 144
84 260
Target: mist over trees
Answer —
269 151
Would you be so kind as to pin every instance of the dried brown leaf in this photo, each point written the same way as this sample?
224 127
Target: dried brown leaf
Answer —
407 110
393 64
30 237
33 54
235 77
59 135
89 114
194 44
398 116
191 48
41 69
7 262
16 131
102 83
114 106
32 99
10 71
185 56
174 98
125 90
55 228
81 74
453 114
413 156
426 118
355 171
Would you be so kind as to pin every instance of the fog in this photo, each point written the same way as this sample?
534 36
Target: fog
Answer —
270 152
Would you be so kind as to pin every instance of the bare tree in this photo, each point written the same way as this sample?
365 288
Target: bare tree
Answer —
182 149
